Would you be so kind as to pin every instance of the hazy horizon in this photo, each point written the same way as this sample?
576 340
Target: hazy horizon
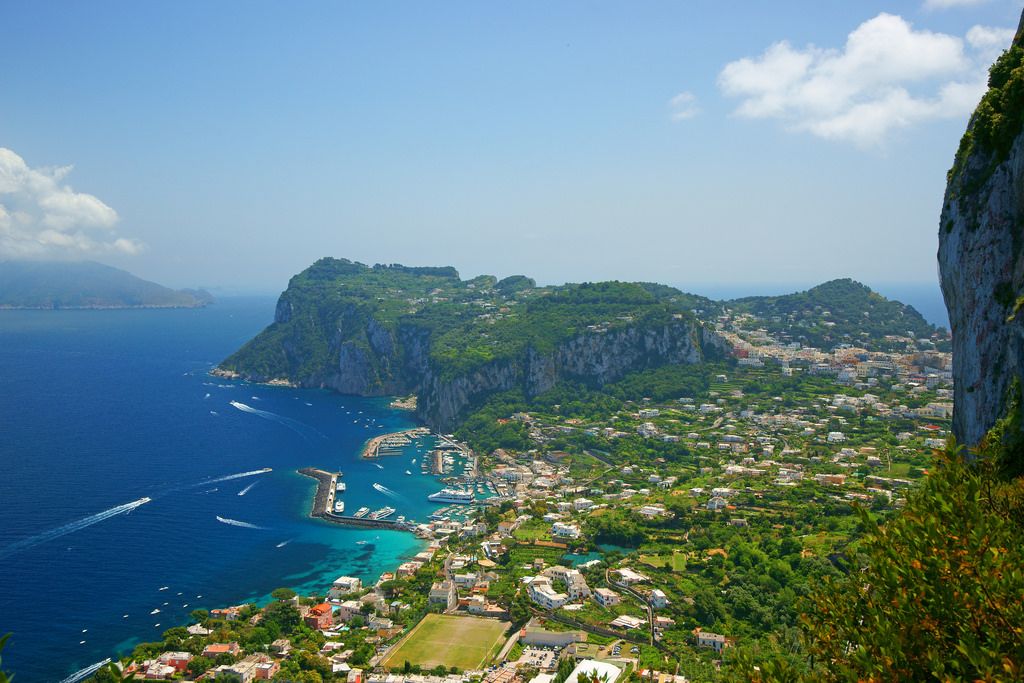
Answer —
573 142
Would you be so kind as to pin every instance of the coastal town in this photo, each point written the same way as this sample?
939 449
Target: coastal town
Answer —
647 537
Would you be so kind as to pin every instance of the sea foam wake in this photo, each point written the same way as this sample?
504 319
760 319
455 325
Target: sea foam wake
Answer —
303 430
86 672
71 527
229 477
247 488
235 522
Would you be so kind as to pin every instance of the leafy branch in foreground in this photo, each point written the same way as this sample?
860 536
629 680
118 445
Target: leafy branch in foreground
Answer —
4 677
933 594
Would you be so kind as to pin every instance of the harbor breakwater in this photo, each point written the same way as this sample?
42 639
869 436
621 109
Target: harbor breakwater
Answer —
323 503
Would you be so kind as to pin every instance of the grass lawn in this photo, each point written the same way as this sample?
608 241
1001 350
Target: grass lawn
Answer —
656 561
464 642
678 561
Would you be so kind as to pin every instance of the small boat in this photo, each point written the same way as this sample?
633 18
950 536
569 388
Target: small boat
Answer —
360 542
408 472
156 611
380 487
339 507
378 465
163 588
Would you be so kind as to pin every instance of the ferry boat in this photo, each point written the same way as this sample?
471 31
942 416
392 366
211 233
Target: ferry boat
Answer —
339 507
361 512
449 495
382 513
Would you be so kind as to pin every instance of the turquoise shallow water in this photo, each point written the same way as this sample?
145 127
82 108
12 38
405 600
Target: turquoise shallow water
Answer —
99 409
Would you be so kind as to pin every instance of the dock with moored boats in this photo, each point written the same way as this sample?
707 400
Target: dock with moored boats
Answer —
392 443
324 500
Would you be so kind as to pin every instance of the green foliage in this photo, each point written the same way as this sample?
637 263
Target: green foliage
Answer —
282 594
934 594
996 122
4 677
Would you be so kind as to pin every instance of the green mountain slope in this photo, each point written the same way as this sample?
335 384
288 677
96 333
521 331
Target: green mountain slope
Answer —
835 312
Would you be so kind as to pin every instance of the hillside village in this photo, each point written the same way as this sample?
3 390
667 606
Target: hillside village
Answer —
649 537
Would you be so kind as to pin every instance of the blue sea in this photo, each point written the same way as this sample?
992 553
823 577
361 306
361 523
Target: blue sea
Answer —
100 409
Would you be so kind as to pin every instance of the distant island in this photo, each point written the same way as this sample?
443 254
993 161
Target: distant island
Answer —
52 285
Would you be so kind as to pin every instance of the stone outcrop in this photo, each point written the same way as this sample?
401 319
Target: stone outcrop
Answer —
981 254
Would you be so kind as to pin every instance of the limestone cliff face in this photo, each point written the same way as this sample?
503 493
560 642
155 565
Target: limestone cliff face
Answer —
596 358
401 364
981 253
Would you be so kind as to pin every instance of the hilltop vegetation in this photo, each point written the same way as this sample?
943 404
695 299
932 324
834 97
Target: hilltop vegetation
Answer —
86 284
395 329
835 312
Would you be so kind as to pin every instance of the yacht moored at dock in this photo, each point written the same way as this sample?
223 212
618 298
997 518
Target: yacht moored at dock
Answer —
361 512
450 495
382 513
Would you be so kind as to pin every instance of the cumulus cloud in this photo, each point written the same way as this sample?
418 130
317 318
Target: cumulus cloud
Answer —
41 215
888 75
683 106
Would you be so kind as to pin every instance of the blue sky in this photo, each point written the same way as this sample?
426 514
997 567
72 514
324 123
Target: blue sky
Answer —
230 144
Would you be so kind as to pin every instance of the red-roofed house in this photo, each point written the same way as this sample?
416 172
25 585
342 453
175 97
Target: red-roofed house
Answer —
320 616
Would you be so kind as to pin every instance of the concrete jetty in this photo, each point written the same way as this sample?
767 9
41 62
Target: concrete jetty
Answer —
372 447
323 503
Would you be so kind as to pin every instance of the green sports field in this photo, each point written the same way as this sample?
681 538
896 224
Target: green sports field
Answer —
465 642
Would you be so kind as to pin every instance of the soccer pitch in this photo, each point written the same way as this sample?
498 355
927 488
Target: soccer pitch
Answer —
464 642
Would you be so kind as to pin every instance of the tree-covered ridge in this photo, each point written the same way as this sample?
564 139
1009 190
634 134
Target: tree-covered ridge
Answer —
467 323
835 312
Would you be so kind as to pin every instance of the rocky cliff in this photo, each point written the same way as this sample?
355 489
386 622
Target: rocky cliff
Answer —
981 251
387 330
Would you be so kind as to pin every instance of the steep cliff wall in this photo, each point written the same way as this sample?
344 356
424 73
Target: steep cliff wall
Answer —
981 252
593 358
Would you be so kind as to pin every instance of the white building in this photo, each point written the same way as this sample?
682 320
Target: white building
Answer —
606 597
563 530
543 594
346 584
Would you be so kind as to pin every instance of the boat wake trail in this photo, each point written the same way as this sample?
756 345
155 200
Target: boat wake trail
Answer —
229 477
247 488
386 491
71 527
235 522
86 672
303 430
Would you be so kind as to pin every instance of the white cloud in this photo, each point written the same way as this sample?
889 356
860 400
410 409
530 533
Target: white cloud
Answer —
40 215
684 106
947 4
888 75
990 41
